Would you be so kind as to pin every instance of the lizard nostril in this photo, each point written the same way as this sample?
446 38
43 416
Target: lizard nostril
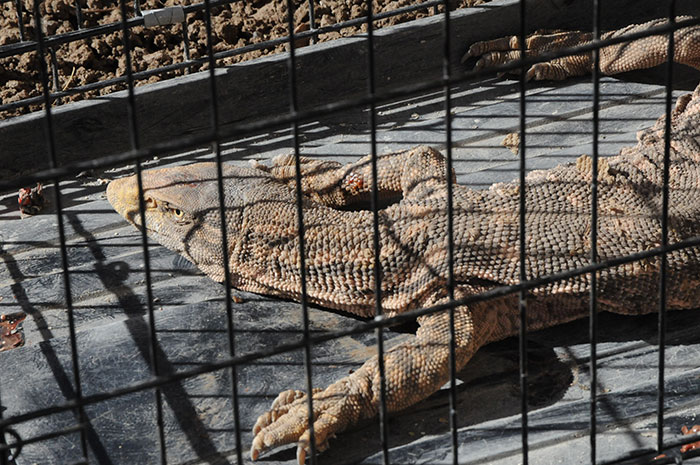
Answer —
149 202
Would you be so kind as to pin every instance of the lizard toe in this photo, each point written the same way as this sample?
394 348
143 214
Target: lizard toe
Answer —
293 425
284 430
304 442
475 50
286 398
281 405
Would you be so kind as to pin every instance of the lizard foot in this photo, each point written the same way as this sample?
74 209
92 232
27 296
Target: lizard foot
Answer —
281 405
505 50
287 421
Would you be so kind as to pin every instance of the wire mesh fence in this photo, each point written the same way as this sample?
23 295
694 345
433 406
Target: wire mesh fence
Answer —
52 89
169 41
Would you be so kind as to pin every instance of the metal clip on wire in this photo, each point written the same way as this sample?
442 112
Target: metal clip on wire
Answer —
163 16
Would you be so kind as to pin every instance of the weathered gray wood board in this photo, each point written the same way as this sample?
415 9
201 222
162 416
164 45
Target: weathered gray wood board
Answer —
329 71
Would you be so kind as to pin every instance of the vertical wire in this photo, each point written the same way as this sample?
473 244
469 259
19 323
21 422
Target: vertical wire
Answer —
134 140
54 73
216 148
522 302
20 20
185 43
4 455
41 48
593 300
54 69
383 423
664 230
446 74
312 21
293 108
78 14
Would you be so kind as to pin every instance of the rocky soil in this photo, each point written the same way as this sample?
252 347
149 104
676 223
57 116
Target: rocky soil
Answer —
98 58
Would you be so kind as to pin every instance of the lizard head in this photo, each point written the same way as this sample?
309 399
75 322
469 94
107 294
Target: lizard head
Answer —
10 336
181 206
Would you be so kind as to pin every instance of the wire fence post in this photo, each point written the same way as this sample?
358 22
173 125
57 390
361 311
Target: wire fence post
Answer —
447 92
293 111
376 242
53 164
522 297
216 149
664 228
593 299
134 141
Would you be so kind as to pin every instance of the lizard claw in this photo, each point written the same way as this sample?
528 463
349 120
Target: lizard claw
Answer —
288 421
254 450
304 447
471 53
301 453
476 50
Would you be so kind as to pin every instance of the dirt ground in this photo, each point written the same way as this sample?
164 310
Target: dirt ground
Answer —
102 57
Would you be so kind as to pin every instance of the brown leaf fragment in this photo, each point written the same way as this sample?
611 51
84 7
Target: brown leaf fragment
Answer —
31 200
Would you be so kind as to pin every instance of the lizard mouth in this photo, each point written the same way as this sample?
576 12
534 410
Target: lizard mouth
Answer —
123 195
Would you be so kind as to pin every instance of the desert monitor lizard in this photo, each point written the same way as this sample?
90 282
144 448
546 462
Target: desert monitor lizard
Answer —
261 221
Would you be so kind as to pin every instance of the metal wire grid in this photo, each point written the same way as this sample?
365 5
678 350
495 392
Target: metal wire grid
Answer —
51 42
294 118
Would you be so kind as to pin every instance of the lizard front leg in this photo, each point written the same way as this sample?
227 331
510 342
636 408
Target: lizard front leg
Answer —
638 54
414 173
414 370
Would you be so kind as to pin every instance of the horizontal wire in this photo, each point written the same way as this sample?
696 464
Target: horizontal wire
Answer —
682 441
243 129
80 34
141 75
378 321
677 443
78 427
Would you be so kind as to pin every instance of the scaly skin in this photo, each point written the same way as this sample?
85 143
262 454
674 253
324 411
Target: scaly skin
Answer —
640 54
182 214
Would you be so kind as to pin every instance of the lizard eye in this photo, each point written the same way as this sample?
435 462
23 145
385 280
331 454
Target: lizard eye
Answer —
178 213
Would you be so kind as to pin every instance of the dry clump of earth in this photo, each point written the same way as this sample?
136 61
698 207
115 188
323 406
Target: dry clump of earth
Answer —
102 57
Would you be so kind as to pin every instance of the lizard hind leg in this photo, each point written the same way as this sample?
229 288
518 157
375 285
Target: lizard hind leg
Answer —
414 370
642 53
650 51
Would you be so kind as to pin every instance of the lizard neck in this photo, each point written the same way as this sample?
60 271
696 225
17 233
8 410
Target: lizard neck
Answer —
264 257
